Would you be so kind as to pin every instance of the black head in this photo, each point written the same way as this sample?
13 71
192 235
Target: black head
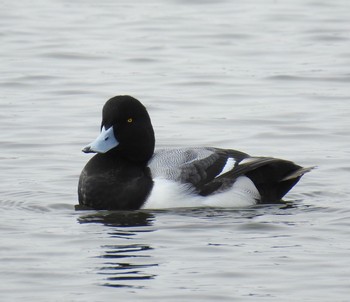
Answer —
126 129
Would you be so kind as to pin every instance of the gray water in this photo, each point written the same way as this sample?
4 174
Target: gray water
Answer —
265 77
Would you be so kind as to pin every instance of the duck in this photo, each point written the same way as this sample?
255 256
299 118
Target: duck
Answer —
127 173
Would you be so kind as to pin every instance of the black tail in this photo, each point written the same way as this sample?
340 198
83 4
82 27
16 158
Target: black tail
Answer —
276 178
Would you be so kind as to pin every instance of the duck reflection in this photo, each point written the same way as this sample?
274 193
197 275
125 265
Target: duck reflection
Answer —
119 218
124 265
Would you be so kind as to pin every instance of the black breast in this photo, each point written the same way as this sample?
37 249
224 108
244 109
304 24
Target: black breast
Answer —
114 183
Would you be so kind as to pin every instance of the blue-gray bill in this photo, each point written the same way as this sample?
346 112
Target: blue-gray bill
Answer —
103 143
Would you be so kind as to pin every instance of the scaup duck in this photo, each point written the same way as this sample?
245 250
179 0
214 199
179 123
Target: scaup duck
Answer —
127 174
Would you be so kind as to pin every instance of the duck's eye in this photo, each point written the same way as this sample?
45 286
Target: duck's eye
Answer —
129 120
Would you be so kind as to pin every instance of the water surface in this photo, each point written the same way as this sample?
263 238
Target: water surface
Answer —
268 78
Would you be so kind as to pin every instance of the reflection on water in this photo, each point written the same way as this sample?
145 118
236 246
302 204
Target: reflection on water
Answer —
124 263
126 246
119 218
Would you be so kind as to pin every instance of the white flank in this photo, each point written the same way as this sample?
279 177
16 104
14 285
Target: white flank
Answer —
242 194
170 194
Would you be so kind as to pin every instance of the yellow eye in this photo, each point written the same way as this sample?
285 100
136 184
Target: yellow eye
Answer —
130 120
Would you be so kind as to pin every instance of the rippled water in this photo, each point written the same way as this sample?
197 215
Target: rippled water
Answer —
265 77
